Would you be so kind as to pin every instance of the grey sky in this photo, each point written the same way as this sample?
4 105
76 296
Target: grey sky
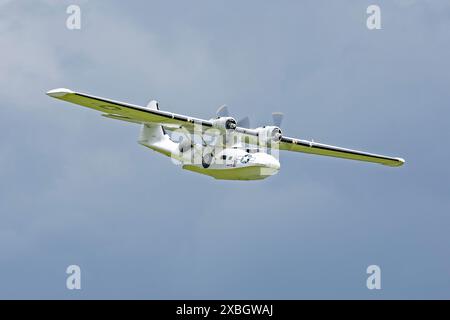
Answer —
77 189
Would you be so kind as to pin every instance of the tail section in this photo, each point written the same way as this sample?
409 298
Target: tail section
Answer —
150 133
154 136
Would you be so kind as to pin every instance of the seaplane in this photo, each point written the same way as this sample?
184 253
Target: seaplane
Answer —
221 147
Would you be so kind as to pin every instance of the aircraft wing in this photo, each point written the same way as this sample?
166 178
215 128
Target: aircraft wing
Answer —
297 145
128 112
138 114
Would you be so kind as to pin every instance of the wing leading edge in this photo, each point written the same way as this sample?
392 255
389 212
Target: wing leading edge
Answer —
297 145
126 111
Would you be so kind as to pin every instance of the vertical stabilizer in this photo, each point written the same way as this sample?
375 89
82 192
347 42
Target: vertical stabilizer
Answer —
154 136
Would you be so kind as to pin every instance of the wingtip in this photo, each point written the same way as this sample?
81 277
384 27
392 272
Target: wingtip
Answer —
398 162
58 93
401 161
395 162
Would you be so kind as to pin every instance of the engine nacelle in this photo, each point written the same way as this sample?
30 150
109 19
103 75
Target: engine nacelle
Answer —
269 134
224 123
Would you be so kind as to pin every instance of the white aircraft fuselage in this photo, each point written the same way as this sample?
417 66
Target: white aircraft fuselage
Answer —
234 163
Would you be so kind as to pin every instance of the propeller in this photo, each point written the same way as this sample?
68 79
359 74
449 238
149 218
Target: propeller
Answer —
244 122
222 111
277 118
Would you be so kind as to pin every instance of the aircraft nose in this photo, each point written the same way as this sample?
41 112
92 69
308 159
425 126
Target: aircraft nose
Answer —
275 164
269 161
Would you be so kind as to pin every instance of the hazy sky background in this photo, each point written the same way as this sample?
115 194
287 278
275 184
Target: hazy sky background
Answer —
76 188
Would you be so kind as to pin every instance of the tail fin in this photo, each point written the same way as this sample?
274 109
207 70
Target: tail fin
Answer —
151 133
154 105
154 136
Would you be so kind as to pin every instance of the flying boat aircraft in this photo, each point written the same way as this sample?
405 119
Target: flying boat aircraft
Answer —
225 148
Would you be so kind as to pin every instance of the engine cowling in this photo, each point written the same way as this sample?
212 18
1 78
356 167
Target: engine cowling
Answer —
269 134
224 123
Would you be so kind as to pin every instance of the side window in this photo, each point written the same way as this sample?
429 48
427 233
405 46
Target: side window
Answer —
224 157
230 157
